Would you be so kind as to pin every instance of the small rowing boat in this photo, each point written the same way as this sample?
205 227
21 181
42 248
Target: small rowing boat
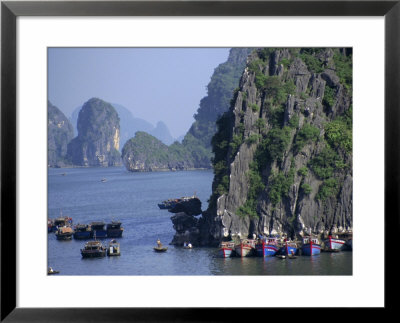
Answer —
160 249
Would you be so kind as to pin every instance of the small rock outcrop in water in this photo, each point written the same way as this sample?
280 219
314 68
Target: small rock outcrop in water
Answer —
185 223
60 133
190 206
97 142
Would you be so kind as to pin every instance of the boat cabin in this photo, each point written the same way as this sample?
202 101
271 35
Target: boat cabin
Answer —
307 240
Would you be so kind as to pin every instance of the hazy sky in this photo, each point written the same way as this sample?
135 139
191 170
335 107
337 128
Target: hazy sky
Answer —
155 84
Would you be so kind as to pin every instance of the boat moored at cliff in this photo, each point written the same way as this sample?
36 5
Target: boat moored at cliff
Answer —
267 247
226 248
82 231
93 249
245 248
289 248
311 246
333 243
114 229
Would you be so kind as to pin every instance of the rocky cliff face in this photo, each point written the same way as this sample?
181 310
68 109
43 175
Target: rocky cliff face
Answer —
185 222
98 137
60 133
283 152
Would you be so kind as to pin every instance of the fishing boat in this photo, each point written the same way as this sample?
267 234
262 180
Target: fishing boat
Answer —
62 221
93 249
50 226
348 239
289 248
311 246
267 247
334 243
103 180
64 233
98 230
51 271
245 248
187 245
113 248
114 229
160 249
82 231
226 248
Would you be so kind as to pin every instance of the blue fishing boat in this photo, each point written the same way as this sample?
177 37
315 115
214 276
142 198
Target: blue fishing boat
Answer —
82 231
245 248
98 230
334 243
289 248
226 248
114 229
267 247
311 246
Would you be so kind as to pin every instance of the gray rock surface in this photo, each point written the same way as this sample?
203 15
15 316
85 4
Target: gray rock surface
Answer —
297 213
97 143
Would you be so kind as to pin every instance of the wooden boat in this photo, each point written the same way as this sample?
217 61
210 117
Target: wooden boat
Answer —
113 248
348 240
82 231
62 221
50 271
160 249
64 233
334 243
114 229
226 248
311 246
289 248
245 248
98 230
267 247
93 249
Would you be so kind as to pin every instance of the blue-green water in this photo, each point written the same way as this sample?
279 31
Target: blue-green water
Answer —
132 199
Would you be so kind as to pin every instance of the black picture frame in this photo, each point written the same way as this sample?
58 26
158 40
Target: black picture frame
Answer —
10 10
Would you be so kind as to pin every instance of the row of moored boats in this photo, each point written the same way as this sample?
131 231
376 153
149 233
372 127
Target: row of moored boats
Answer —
274 246
64 229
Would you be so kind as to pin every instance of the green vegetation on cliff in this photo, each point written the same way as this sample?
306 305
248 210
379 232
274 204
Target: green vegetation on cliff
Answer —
301 143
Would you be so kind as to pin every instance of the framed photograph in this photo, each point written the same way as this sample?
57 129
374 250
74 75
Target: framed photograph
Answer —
320 75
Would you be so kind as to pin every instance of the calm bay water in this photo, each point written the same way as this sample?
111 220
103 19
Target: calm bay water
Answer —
132 199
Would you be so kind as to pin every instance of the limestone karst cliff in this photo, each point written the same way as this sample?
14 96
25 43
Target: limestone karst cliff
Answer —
283 152
59 134
98 137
